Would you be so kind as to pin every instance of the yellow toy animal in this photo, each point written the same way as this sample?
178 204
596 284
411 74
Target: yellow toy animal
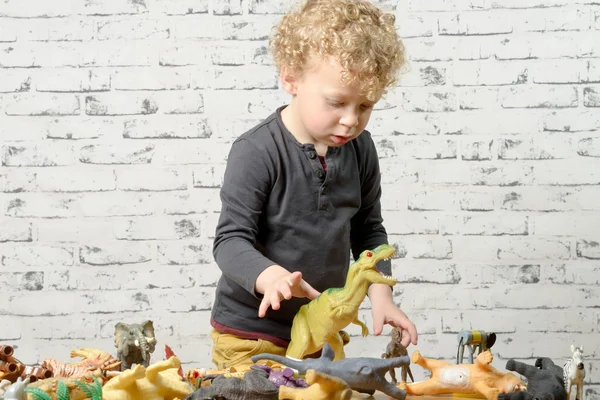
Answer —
321 387
479 378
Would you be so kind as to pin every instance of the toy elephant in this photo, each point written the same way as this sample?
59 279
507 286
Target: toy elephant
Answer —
134 343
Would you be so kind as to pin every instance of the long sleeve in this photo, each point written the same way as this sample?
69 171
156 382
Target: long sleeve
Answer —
367 230
246 186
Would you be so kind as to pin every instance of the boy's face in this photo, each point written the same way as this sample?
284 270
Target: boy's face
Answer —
325 110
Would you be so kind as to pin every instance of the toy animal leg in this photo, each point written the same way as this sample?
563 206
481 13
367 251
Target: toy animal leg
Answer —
337 344
488 392
393 391
568 387
515 396
430 386
301 339
427 363
365 329
521 368
579 395
393 376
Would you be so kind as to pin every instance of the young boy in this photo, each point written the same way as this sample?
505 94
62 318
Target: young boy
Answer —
302 188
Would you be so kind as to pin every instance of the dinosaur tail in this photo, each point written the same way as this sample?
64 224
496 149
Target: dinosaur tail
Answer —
288 362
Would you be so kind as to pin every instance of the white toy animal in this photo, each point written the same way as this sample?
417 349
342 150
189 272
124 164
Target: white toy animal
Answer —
574 372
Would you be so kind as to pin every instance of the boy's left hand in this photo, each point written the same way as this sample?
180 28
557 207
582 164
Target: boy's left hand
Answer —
385 311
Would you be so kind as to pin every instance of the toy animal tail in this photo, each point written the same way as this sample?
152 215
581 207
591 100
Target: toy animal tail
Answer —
169 353
288 362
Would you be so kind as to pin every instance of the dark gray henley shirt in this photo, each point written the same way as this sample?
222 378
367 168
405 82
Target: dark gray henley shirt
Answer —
279 206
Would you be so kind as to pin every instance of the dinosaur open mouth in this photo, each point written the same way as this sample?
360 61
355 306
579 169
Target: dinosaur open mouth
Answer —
389 277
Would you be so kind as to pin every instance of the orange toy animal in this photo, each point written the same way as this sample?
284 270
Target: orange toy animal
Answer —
479 378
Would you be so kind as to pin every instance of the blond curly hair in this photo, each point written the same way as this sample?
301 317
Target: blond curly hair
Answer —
361 37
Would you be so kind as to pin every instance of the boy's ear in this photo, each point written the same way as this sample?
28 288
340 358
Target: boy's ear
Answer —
288 80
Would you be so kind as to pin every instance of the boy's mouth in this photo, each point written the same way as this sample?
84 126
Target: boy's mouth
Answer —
339 140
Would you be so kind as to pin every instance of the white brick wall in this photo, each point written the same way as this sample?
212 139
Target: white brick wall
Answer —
116 118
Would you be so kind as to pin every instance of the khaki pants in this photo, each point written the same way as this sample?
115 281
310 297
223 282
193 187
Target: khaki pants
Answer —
232 351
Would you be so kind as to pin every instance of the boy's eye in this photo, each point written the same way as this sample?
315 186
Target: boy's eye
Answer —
336 104
366 106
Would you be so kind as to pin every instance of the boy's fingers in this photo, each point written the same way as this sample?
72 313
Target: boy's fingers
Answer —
406 339
286 291
264 305
275 300
310 291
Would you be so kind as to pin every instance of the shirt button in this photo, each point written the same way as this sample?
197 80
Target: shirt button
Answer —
320 174
323 206
323 189
312 155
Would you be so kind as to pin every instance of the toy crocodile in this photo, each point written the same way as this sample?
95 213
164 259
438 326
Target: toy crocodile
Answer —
363 374
320 321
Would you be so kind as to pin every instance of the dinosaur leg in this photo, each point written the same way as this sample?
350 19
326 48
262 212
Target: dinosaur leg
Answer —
427 363
488 392
337 344
393 376
300 338
365 329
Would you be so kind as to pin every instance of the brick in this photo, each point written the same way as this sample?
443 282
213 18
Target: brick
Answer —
12 328
113 7
403 123
485 73
230 128
476 23
428 273
517 274
116 301
15 80
133 29
393 172
14 55
16 180
198 201
424 49
425 74
192 153
415 25
403 223
484 224
588 249
183 53
15 230
429 101
446 172
181 102
537 46
589 147
269 7
41 104
551 199
447 5
24 128
197 27
167 128
502 175
151 179
32 9
248 28
248 77
87 128
475 47
209 176
583 272
258 106
451 199
36 255
476 149
539 97
75 179
72 80
68 327
559 71
571 121
567 223
592 73
122 103
588 45
41 303
551 20
151 79
229 7
181 253
126 54
231 54
261 55
8 31
117 154
56 29
478 98
73 229
157 229
591 97
585 172
420 247
115 253
547 147
416 148
528 3
181 7
185 300
22 281
37 154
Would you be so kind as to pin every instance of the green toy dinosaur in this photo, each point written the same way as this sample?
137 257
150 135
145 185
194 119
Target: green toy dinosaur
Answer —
321 320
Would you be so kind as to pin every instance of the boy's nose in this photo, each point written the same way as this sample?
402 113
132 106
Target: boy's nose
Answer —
350 119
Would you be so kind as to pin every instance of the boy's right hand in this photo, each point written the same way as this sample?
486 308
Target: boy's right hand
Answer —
276 283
